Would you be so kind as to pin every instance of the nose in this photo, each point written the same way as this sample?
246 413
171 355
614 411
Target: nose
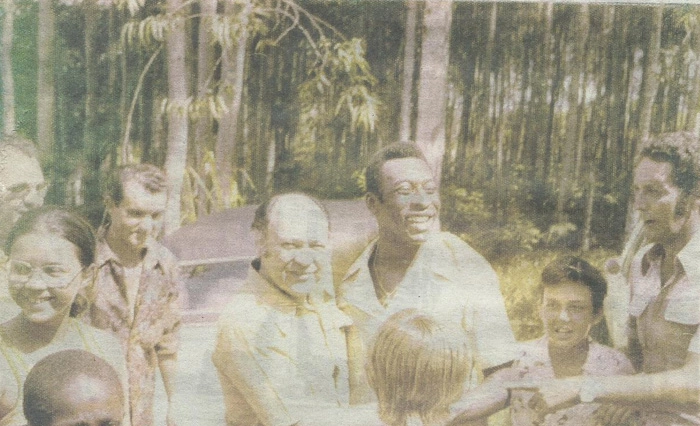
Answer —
421 198
147 224
34 199
35 282
304 257
639 201
564 315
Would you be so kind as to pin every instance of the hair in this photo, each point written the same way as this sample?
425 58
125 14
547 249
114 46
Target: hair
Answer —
50 376
575 269
394 151
152 178
64 224
261 219
18 143
682 151
416 367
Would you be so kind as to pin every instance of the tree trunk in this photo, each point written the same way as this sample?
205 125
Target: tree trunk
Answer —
570 143
233 73
409 63
45 80
8 81
176 156
650 80
435 58
205 63
692 121
540 81
90 145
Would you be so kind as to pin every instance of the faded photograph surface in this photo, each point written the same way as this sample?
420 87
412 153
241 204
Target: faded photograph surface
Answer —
310 213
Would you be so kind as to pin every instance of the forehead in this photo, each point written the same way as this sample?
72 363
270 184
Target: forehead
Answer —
44 247
649 171
17 167
405 170
569 291
136 196
298 218
87 399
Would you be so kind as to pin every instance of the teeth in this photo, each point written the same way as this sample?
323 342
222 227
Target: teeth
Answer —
419 219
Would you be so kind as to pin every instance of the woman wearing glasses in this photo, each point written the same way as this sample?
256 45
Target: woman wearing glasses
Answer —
51 252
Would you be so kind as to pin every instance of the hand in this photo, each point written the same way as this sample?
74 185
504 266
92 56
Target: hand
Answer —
615 415
556 394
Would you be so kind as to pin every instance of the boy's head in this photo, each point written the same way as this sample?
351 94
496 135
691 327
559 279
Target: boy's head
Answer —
572 299
73 388
417 367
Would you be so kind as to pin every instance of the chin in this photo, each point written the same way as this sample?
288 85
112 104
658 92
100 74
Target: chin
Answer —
303 288
40 317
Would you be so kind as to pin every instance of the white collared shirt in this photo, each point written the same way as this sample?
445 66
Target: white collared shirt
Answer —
447 279
277 357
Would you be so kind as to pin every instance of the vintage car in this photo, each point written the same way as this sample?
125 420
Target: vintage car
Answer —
215 252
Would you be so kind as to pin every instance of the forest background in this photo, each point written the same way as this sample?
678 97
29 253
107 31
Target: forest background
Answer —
531 113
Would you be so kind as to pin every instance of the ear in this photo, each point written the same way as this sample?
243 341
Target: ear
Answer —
372 201
600 316
260 243
109 204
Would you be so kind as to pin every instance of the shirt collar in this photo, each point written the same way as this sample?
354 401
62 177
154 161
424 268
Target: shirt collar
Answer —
272 295
105 254
440 265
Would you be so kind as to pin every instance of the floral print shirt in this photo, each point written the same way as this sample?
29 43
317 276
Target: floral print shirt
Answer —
534 363
152 330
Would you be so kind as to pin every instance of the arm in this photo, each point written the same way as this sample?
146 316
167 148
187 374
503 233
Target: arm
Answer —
168 369
485 320
360 391
666 390
487 399
167 347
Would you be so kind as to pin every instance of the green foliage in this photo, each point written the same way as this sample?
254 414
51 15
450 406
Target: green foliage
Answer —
338 92
514 237
202 193
24 70
467 213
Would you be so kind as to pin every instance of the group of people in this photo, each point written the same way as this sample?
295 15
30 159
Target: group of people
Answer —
112 293
413 330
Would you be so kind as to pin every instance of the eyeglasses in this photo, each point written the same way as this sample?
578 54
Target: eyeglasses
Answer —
53 276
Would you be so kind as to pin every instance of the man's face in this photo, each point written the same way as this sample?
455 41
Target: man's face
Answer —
410 206
22 185
88 401
295 254
139 216
567 314
661 204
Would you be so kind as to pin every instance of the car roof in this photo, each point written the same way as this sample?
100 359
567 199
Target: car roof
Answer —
226 236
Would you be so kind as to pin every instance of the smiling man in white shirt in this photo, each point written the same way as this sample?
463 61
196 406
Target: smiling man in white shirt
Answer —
280 350
413 265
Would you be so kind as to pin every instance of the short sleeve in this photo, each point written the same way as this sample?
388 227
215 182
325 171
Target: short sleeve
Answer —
491 328
171 321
